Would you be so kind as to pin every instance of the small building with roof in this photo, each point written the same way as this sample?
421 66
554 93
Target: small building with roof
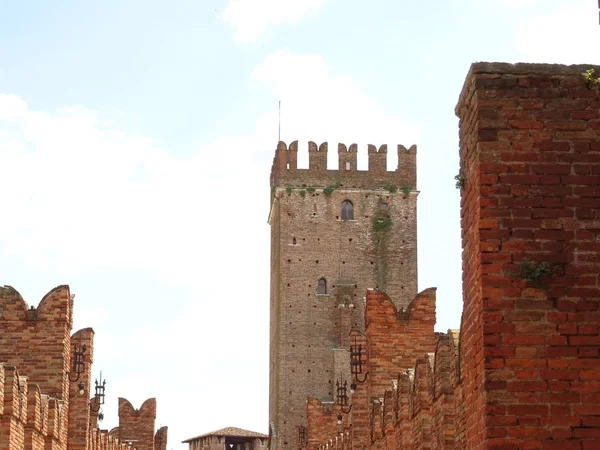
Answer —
229 438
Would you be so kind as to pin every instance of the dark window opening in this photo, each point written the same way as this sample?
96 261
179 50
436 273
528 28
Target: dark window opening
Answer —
347 210
322 288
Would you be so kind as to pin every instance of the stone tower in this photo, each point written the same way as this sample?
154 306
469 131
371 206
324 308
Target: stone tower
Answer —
334 234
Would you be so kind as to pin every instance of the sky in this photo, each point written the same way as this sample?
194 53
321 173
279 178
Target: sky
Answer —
136 140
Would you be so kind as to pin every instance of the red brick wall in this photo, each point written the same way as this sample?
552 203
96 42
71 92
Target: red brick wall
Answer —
396 338
137 425
530 155
322 423
80 418
38 340
394 342
160 439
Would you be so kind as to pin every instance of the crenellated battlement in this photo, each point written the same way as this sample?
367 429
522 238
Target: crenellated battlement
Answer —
36 418
137 424
285 171
420 407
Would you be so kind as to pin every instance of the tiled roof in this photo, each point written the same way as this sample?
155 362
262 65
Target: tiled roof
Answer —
230 432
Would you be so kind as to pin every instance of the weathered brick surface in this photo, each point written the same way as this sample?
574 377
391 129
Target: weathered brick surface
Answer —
309 241
394 341
137 425
160 439
530 154
38 341
79 406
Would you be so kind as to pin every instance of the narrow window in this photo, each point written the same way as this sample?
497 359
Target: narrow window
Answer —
322 289
347 165
347 210
294 241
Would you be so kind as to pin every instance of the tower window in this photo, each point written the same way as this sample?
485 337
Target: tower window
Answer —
347 165
347 210
322 287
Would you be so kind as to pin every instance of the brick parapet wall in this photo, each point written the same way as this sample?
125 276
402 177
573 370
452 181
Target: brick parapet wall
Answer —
160 439
285 172
28 419
393 342
37 341
530 157
80 417
395 338
322 423
137 425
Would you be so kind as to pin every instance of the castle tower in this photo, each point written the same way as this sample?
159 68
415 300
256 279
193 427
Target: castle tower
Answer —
334 234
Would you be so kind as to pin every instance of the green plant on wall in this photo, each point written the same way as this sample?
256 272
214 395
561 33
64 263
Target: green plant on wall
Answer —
302 193
533 272
310 189
591 80
391 188
329 189
381 224
460 180
406 190
289 190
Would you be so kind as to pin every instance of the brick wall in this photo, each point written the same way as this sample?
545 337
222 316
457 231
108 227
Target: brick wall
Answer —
36 340
160 439
322 423
79 405
35 356
530 155
309 241
137 425
394 341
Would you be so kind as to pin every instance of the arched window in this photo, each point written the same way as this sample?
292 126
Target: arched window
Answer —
322 287
347 210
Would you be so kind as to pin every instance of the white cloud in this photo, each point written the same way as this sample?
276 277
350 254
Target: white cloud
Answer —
563 35
319 105
516 3
86 196
251 18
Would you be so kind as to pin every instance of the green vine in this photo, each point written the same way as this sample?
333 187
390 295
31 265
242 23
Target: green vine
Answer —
391 188
329 189
406 190
460 180
533 272
381 224
591 80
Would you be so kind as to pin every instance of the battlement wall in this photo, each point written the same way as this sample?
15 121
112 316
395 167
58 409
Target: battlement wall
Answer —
28 419
395 338
137 424
37 340
530 218
421 407
160 439
285 171
80 416
322 423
